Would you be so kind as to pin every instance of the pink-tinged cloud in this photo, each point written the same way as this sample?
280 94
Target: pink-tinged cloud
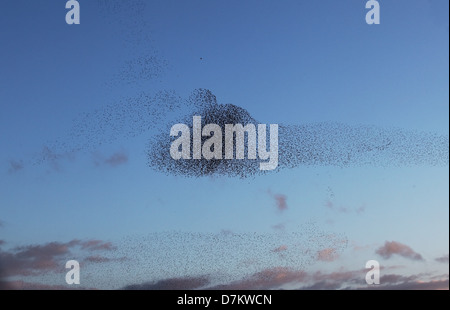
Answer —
329 204
443 259
280 226
396 278
272 278
341 276
50 257
281 202
333 280
414 285
30 286
97 259
396 248
103 259
354 279
343 210
186 283
32 260
96 245
281 248
362 247
287 278
327 255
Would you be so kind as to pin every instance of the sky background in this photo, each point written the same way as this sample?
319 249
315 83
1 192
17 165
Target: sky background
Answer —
289 62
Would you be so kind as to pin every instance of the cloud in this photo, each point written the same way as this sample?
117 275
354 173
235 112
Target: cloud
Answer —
412 285
95 245
341 276
15 165
327 255
396 278
281 248
103 259
97 259
53 158
280 201
2 242
23 285
50 257
271 278
341 209
442 259
116 159
288 278
397 248
329 204
323 285
331 281
280 226
32 260
361 209
355 280
187 283
280 277
226 232
430 285
359 247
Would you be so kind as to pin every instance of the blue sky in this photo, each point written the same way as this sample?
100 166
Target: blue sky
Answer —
288 62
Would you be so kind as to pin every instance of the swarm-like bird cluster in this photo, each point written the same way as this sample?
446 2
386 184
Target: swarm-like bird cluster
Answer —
225 258
203 103
320 144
